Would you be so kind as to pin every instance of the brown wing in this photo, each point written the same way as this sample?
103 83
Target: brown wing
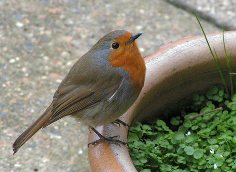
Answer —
69 101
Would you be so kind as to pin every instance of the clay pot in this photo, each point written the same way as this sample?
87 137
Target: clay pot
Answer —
174 73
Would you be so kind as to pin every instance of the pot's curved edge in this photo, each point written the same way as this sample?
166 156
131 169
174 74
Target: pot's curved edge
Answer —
173 44
110 158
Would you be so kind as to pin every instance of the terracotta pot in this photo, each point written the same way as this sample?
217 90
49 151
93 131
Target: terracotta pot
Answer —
174 73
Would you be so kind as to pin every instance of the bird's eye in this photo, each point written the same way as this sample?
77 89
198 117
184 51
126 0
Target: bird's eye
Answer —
115 45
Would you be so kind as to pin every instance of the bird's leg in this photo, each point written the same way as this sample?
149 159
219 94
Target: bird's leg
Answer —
118 122
106 139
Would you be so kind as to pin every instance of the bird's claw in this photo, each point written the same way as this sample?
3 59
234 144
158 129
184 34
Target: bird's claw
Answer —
110 140
118 122
106 139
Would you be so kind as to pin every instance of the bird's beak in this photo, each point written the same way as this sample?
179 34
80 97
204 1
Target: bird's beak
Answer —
133 37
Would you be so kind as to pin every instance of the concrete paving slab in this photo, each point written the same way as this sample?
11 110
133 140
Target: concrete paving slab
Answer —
221 13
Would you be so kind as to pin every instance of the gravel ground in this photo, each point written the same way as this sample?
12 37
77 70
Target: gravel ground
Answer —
39 42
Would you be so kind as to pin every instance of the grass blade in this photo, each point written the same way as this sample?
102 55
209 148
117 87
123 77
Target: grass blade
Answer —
215 58
229 65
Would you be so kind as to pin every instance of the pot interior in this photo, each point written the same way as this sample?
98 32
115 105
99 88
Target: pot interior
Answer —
166 102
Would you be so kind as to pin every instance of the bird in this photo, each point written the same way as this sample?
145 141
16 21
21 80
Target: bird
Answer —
99 87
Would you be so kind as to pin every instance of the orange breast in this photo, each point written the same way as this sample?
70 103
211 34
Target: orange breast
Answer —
130 59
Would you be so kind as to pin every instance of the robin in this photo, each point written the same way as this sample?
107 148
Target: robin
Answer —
99 87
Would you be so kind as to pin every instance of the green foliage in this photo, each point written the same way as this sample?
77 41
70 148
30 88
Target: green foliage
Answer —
202 140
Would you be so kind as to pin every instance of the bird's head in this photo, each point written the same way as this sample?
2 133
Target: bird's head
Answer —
124 53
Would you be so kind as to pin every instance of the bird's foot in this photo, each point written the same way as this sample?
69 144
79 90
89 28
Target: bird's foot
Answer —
110 140
118 122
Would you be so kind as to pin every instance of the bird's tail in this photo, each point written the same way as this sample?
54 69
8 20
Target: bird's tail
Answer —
28 133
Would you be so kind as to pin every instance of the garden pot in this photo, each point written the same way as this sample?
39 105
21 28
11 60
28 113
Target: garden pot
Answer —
174 73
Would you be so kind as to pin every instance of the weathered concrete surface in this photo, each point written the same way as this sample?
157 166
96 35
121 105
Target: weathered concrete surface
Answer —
221 13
